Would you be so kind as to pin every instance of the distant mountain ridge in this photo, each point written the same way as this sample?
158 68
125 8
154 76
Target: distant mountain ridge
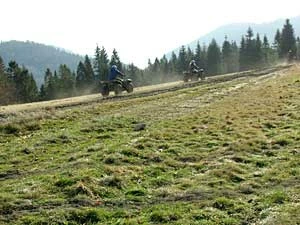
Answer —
235 31
38 57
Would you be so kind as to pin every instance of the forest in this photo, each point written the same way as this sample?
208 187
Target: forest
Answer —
17 84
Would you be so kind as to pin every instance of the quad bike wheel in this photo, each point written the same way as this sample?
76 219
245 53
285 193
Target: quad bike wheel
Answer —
130 88
105 91
118 89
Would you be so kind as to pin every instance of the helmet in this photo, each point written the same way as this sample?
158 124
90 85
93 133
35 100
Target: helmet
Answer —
114 67
193 61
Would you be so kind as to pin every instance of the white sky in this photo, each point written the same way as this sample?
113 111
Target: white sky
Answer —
138 29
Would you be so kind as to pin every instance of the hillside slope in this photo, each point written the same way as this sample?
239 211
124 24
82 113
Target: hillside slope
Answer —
218 153
37 57
235 31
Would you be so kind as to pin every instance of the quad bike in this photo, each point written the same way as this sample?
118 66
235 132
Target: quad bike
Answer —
118 86
193 75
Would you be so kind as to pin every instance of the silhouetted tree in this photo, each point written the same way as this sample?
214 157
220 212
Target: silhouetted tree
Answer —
66 81
115 60
173 63
7 89
104 67
182 60
89 72
213 58
288 41
226 55
298 48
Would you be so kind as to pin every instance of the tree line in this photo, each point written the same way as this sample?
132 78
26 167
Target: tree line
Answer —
253 51
17 84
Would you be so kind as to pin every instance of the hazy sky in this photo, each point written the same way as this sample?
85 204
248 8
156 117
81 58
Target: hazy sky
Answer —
138 29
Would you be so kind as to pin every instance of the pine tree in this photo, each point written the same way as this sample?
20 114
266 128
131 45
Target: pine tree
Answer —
49 86
258 53
42 93
203 57
182 60
288 41
32 92
277 41
6 86
250 49
269 55
104 68
156 67
115 60
173 63
135 74
190 54
89 72
2 66
234 62
226 55
97 63
198 54
298 48
25 85
164 65
66 81
80 77
242 53
213 58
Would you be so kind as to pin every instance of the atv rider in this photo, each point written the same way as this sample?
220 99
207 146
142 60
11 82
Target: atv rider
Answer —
193 68
114 73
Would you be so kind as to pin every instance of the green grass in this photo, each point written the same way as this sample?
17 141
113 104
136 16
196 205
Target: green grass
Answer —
213 154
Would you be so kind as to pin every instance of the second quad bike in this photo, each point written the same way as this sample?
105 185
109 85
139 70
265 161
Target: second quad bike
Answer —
193 76
118 85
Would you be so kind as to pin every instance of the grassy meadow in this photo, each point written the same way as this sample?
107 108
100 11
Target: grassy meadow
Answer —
218 153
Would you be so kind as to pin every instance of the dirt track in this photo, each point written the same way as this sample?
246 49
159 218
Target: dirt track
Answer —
14 110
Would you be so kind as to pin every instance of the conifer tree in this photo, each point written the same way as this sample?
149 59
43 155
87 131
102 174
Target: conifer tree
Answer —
269 54
277 41
135 74
258 53
42 94
213 58
198 54
164 65
173 63
97 63
190 54
66 81
89 72
234 62
182 60
288 41
243 56
81 83
115 60
49 85
156 67
298 48
32 92
25 86
104 67
2 66
226 55
203 57
7 89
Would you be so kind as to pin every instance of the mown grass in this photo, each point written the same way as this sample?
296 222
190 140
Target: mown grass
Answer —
208 155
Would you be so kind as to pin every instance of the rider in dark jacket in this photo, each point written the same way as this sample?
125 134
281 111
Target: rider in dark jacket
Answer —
114 72
193 67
